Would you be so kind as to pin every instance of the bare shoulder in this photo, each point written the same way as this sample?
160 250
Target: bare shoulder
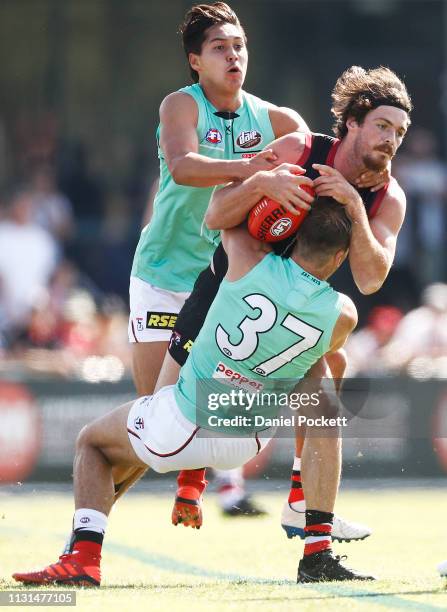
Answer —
290 147
238 238
285 120
178 102
243 251
392 208
348 313
345 324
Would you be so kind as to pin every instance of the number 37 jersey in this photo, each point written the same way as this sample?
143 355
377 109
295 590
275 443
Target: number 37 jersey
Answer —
262 333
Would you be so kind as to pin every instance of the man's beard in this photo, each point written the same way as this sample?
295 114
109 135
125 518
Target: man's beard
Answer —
376 164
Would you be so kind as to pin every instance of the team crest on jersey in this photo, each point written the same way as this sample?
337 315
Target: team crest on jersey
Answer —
248 139
139 423
213 136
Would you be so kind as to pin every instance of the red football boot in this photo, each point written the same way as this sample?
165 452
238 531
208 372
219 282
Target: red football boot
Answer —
188 500
74 569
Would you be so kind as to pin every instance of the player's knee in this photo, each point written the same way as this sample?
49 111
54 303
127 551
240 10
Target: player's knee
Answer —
85 438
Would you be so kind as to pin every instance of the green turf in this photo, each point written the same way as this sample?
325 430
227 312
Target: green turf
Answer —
237 564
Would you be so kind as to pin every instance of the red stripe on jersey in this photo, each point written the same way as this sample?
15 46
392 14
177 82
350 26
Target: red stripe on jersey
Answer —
378 200
332 151
306 152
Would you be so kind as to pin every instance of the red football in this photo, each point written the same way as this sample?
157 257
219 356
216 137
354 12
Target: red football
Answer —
270 221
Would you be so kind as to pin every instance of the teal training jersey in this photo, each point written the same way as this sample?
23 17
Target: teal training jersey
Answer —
173 249
261 335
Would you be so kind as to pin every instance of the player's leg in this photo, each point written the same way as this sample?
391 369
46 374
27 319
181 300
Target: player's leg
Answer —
233 498
321 462
153 312
147 358
293 517
101 447
191 484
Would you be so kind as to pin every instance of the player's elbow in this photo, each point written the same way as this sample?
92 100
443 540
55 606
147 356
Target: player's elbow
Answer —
177 170
178 175
369 286
212 220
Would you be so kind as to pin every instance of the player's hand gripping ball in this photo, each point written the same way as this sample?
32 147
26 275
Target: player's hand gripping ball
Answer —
269 221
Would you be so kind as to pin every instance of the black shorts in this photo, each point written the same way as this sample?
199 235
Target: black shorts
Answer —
193 313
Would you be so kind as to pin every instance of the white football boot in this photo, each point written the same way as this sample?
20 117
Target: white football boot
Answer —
293 523
442 568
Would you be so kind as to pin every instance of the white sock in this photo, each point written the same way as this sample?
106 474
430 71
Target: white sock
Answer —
298 506
87 519
297 464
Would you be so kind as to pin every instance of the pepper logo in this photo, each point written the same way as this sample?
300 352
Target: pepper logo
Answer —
161 320
249 139
213 136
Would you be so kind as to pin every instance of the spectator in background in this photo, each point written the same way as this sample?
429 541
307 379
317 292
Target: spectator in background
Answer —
364 347
28 258
423 177
52 210
422 333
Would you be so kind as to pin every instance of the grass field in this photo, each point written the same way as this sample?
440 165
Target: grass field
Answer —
237 564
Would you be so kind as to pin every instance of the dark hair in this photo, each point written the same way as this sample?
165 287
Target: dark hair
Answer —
197 21
325 230
359 91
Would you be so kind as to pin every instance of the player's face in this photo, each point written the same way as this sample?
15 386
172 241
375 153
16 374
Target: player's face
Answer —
379 136
223 59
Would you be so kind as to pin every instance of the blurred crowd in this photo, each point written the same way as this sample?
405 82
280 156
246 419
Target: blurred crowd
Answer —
67 238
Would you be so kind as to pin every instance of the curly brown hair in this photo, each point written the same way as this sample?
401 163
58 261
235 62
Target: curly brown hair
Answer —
197 21
359 91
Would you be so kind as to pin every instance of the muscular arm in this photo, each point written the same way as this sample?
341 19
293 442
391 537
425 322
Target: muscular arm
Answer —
373 244
230 205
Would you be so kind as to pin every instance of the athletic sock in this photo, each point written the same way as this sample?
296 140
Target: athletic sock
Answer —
296 494
318 531
230 487
192 478
89 527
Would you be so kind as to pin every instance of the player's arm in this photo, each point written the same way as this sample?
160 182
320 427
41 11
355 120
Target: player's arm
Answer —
286 120
373 244
230 205
243 251
180 146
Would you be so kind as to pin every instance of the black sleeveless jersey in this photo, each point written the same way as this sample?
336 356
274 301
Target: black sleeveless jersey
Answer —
319 149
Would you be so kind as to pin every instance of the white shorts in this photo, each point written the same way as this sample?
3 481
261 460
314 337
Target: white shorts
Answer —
153 311
167 441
